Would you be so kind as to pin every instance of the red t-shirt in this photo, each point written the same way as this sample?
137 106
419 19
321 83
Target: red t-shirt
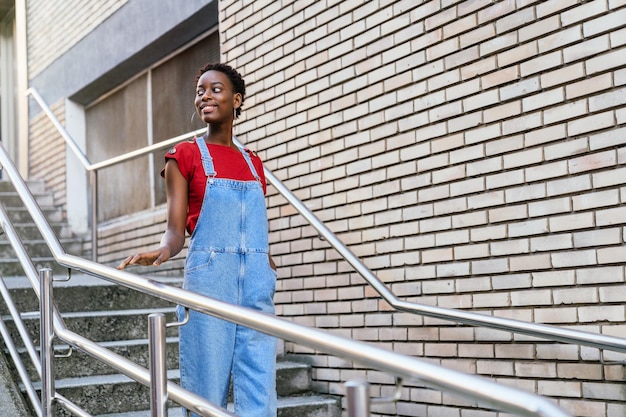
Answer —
228 162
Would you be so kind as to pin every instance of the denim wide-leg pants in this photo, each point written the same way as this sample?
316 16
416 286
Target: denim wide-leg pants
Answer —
228 260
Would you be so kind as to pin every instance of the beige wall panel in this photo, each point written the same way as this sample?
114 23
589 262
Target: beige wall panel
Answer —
122 188
55 26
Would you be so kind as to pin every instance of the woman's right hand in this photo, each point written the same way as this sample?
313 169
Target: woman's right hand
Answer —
174 237
155 258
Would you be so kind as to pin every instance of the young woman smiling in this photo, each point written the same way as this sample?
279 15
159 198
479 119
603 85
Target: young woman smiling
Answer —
216 193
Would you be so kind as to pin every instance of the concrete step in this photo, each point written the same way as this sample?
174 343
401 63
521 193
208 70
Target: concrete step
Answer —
80 364
21 214
105 394
85 293
38 248
37 188
10 198
34 185
11 267
28 231
100 326
303 406
116 394
292 378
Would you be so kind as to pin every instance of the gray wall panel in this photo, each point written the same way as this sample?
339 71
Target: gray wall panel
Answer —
133 38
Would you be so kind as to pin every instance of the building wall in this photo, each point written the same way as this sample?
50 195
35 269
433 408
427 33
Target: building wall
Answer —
56 26
46 42
471 154
47 158
92 49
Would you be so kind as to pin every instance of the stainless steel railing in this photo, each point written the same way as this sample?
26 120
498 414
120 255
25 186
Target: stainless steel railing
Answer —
548 332
482 390
92 169
53 325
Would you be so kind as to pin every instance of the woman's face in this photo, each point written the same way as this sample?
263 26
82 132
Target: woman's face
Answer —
215 99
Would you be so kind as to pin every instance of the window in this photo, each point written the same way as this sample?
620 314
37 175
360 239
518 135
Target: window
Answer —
156 105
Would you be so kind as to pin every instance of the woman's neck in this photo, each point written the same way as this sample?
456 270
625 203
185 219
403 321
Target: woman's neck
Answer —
219 136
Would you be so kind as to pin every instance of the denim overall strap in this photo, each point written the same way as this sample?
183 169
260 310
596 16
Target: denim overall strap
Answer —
207 160
227 260
250 164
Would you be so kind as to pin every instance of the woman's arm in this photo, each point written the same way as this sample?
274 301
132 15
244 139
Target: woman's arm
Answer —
173 239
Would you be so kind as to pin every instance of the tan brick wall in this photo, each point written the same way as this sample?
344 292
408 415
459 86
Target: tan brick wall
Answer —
137 233
471 154
47 155
55 26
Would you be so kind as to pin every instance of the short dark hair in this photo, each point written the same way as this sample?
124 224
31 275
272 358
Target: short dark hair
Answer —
239 85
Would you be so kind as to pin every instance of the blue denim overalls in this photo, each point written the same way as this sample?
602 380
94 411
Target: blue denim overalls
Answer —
228 260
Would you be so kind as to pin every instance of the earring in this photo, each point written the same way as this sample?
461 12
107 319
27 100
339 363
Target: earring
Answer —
192 116
234 114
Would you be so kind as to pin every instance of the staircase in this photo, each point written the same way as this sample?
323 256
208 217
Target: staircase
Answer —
117 318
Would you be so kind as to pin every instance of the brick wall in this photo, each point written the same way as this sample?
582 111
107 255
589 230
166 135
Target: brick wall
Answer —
47 154
471 154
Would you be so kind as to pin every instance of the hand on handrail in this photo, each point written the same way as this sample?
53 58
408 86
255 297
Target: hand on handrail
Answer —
155 258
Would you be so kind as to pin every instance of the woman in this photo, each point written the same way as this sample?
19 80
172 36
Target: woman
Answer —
215 191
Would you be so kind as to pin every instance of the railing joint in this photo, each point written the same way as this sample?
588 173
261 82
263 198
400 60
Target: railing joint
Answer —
69 353
184 321
65 279
397 394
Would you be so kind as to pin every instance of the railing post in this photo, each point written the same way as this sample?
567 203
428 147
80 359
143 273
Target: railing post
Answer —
158 367
93 175
46 335
358 396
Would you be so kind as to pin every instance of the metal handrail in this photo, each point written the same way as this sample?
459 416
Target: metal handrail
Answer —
548 332
109 162
476 388
92 169
18 363
466 317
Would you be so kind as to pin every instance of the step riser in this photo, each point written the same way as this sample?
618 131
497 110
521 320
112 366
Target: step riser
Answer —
293 380
80 364
28 231
35 186
37 249
289 380
11 268
101 328
131 396
110 398
22 215
87 298
12 199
